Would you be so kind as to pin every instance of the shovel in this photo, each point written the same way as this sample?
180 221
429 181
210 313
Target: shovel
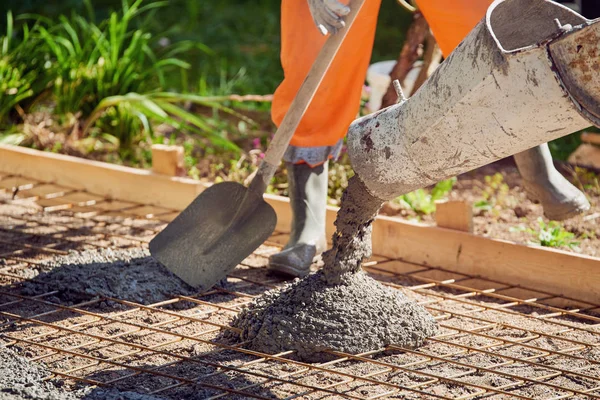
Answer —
228 221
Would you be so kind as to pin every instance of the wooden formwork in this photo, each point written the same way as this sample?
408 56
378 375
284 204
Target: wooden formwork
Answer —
497 340
571 275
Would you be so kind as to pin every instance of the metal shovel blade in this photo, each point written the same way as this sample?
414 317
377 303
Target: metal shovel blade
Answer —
214 234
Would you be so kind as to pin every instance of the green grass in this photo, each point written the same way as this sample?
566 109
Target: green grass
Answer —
233 45
108 78
93 61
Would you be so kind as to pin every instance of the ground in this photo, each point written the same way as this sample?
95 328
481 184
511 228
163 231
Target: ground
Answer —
507 213
504 210
497 340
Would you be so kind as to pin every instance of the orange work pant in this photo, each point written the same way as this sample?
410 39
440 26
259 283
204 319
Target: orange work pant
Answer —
337 100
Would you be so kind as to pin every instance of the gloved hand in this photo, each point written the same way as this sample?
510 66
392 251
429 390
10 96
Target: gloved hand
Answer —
328 15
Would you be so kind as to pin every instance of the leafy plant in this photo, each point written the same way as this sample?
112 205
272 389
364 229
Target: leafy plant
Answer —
108 77
92 62
161 107
551 234
495 194
423 202
15 78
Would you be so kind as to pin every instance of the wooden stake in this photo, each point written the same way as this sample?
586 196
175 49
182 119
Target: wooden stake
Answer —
167 160
457 215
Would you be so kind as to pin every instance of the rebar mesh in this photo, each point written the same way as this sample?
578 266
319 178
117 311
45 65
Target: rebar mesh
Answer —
496 340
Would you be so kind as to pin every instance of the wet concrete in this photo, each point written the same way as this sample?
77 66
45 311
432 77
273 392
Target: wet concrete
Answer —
355 315
340 307
21 379
352 239
123 274
114 394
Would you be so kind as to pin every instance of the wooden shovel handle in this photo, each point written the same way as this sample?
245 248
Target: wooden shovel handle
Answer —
305 95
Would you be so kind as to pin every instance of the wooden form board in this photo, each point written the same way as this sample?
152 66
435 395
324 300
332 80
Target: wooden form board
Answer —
554 271
113 181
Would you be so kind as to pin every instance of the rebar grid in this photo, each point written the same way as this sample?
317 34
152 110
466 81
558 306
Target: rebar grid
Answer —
496 340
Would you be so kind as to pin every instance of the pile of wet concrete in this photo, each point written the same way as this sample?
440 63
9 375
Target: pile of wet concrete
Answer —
312 316
339 308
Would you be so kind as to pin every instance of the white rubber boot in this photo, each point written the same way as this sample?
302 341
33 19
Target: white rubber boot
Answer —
542 182
308 198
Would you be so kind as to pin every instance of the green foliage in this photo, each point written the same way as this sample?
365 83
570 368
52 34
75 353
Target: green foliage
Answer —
423 201
392 25
14 87
235 41
551 234
91 62
562 148
495 194
15 79
107 74
138 110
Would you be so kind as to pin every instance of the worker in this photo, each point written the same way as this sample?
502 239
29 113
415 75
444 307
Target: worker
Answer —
319 136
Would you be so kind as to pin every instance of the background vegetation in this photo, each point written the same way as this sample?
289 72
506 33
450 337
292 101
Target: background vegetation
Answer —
106 79
232 45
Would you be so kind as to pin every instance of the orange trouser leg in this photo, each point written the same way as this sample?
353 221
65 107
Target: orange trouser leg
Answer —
452 20
337 100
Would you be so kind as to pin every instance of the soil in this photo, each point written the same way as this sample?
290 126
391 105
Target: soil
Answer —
513 216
